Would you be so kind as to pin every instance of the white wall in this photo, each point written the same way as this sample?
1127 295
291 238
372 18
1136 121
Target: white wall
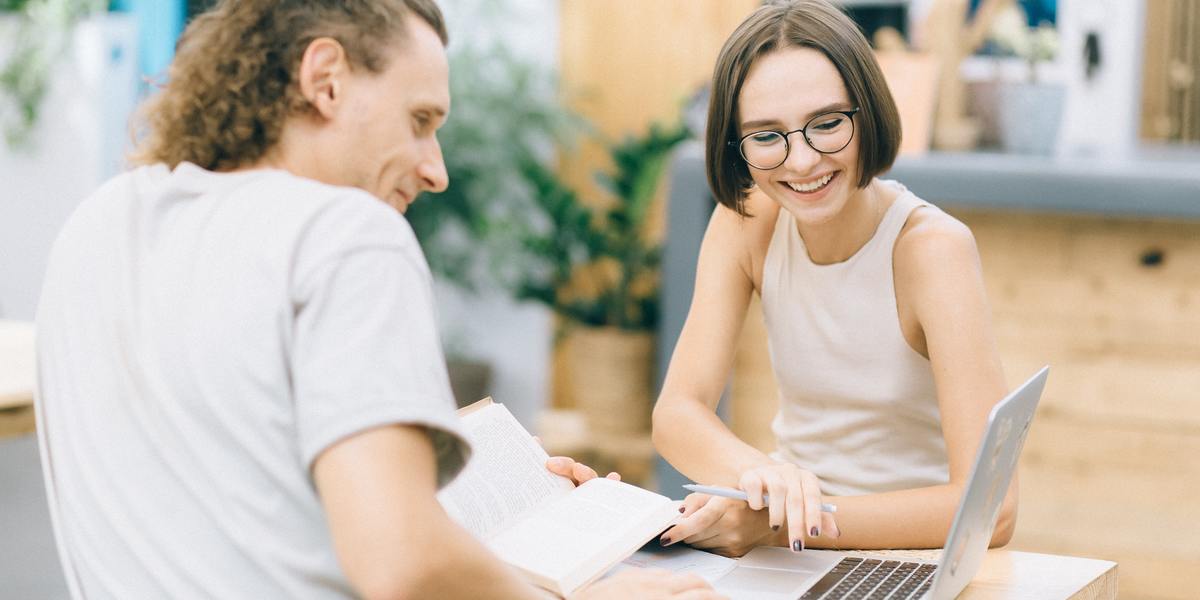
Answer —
528 27
78 144
1102 114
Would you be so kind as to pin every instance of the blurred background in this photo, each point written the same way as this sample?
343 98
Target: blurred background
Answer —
1066 133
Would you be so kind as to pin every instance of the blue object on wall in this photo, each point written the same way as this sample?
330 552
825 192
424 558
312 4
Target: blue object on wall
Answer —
159 24
1037 10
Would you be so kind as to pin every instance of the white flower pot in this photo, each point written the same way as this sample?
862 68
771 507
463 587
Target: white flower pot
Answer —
1030 116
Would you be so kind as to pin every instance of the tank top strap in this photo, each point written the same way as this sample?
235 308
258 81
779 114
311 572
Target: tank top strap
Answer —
896 216
781 252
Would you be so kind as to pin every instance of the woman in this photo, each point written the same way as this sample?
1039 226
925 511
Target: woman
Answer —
874 302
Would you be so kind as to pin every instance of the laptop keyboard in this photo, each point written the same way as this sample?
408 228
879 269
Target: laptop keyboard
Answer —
855 578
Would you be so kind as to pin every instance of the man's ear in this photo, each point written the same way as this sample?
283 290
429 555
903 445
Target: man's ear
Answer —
322 67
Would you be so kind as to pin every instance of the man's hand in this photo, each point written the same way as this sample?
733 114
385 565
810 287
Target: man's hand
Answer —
648 584
575 471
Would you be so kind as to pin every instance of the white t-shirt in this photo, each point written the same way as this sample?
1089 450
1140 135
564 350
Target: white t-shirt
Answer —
202 337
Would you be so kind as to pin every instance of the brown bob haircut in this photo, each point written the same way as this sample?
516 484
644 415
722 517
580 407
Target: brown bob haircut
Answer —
782 24
233 80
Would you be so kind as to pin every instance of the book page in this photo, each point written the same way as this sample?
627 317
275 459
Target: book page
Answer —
574 537
505 477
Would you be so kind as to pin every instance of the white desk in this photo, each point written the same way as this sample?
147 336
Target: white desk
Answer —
1003 574
1012 575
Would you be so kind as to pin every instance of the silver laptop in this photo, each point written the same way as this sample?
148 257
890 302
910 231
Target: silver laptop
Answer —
769 573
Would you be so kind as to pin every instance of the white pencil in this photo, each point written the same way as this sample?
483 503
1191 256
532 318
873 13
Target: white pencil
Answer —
725 492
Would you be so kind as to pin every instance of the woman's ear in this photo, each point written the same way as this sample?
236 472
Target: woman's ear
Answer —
322 67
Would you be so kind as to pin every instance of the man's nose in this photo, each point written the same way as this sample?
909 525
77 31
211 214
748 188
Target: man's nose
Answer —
432 170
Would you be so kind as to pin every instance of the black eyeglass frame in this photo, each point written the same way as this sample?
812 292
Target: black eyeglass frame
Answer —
787 144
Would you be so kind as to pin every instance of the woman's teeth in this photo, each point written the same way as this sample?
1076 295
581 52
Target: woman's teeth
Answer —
811 187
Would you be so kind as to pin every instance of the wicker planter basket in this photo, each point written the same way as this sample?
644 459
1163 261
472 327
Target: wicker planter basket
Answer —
610 379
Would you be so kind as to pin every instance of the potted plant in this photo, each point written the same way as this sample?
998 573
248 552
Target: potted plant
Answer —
1029 112
598 269
508 222
505 114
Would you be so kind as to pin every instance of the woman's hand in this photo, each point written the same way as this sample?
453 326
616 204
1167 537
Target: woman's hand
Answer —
732 527
722 526
575 471
795 496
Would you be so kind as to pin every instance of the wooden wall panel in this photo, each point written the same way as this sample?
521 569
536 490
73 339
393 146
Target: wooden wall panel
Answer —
1171 71
630 60
626 63
1111 467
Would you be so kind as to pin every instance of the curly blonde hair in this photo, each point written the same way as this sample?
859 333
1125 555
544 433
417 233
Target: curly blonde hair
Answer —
233 80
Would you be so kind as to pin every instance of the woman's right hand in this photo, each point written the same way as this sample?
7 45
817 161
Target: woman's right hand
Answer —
649 584
795 500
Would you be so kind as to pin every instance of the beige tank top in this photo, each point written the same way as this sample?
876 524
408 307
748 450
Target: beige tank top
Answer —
857 404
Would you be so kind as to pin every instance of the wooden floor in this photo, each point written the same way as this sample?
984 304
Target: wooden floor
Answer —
1112 466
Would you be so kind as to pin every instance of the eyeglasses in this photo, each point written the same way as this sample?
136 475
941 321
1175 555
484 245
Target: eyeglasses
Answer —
826 133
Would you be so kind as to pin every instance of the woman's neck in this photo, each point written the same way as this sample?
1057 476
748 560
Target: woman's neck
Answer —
839 238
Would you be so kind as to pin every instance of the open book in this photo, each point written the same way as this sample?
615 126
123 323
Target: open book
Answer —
559 536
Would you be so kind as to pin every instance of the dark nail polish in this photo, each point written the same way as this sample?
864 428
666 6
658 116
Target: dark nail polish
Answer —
664 542
774 528
814 532
681 509
797 546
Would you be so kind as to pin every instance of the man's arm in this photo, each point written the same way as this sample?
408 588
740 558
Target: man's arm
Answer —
394 540
391 535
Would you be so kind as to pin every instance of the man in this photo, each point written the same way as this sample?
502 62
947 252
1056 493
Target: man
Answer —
242 394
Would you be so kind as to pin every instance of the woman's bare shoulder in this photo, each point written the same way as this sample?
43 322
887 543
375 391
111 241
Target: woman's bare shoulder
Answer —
931 237
749 233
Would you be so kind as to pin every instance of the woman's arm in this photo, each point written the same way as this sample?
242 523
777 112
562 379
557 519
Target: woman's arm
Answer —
944 311
686 429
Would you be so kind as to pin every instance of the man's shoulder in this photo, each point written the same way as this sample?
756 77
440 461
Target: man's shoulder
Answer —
321 222
101 212
279 209
290 206
293 190
124 185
